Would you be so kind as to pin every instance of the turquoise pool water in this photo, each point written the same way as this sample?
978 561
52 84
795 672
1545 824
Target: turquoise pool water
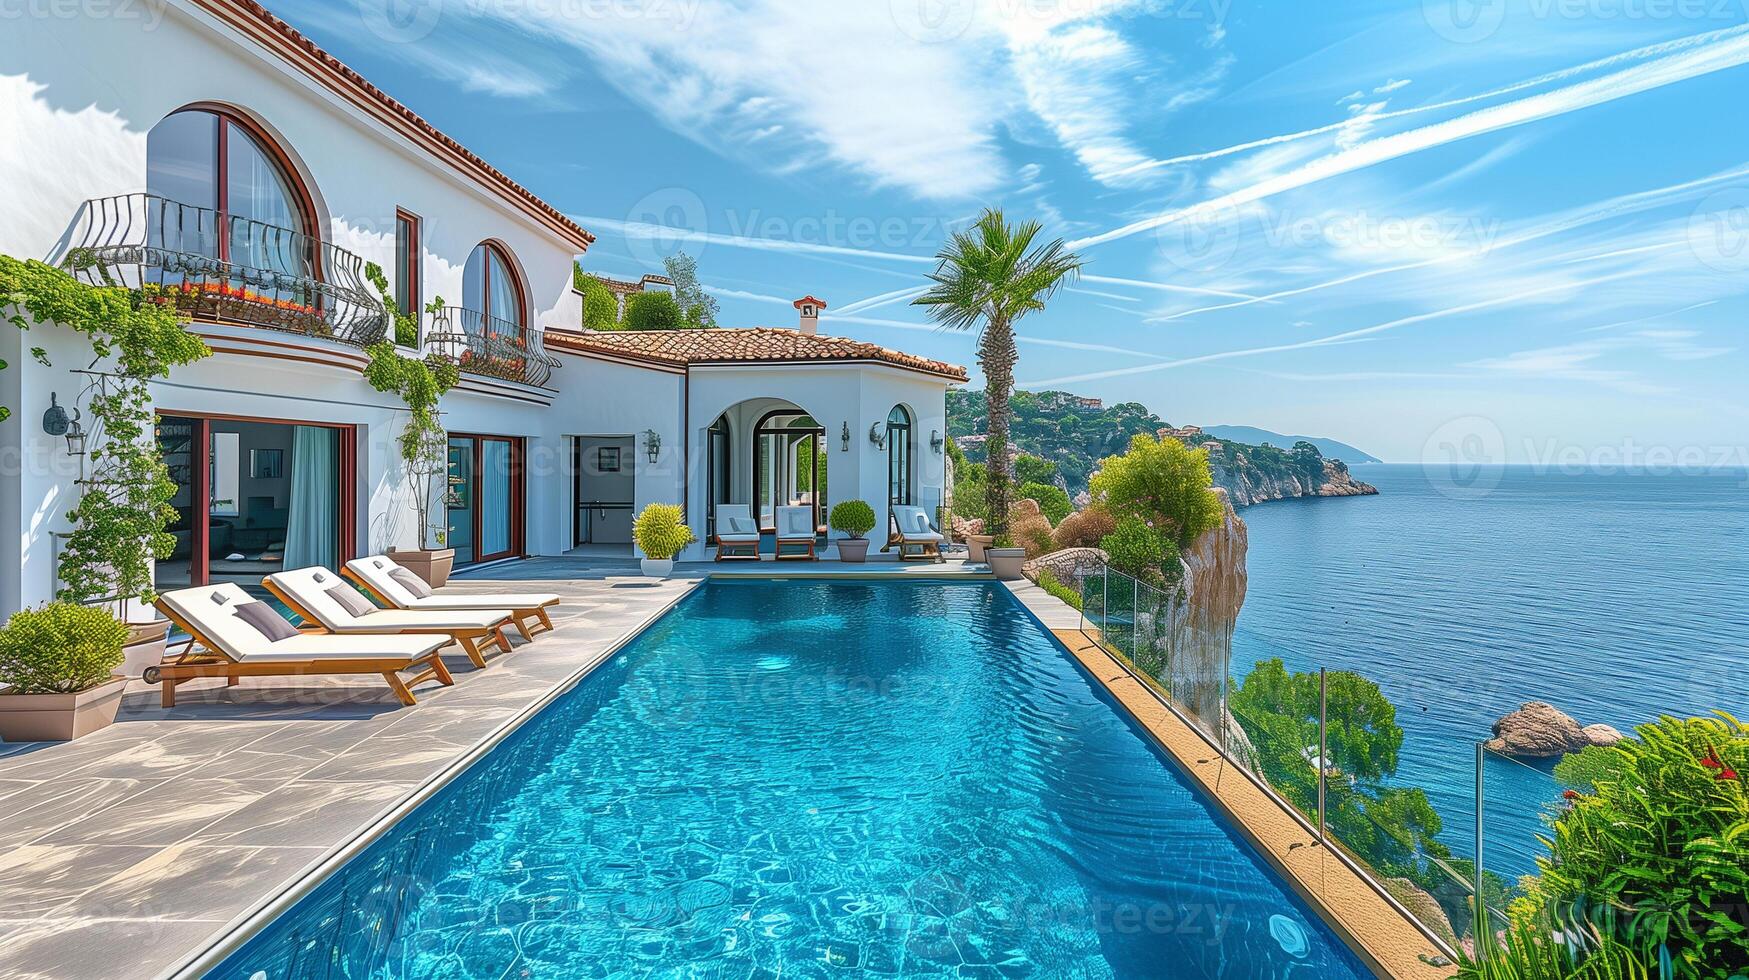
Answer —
791 779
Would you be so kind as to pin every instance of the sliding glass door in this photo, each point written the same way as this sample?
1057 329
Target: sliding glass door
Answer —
255 496
485 499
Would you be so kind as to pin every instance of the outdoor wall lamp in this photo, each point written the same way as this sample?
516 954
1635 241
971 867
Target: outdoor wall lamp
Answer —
935 442
877 434
653 444
844 438
75 437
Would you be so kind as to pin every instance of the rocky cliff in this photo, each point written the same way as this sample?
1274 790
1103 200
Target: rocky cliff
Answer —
1246 482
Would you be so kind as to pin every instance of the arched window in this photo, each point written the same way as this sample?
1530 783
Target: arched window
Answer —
490 286
718 463
257 214
899 456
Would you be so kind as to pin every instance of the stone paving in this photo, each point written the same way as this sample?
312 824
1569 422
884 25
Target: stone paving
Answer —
126 852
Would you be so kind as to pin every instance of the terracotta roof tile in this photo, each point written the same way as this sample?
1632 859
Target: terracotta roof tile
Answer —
260 23
748 345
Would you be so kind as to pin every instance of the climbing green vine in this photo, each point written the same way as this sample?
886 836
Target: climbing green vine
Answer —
119 522
423 443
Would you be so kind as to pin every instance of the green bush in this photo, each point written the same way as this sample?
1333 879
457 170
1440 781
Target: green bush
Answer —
600 306
653 311
1163 482
854 517
1134 548
1052 500
1032 532
1657 848
659 531
1049 583
60 648
1084 528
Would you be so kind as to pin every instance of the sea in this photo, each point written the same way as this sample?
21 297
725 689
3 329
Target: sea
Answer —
1618 596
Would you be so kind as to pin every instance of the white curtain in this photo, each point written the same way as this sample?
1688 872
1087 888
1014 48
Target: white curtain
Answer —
311 531
494 497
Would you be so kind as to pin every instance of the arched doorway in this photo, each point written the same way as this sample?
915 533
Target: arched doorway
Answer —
900 484
789 466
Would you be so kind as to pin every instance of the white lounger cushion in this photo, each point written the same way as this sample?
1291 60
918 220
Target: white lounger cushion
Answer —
735 523
210 609
914 524
308 587
795 523
375 571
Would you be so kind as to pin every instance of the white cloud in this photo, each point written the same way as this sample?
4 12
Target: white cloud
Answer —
1074 80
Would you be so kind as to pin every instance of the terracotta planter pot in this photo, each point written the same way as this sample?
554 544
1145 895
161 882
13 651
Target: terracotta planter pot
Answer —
853 549
1006 562
976 543
60 717
145 646
656 567
432 566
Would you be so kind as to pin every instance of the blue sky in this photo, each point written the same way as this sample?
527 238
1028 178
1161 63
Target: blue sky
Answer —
1414 226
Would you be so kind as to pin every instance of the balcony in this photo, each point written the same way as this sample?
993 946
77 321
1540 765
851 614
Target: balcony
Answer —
223 268
488 346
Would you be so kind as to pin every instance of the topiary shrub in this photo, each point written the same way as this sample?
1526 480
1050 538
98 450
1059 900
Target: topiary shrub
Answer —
660 532
653 311
854 517
1084 528
60 648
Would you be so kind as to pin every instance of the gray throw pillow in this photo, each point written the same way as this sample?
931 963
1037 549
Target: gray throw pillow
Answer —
412 583
350 600
262 618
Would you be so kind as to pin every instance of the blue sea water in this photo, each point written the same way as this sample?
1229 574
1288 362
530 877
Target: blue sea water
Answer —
1615 596
807 780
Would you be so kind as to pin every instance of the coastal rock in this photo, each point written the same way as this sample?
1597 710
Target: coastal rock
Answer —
1423 906
1539 730
1214 570
1069 566
1023 508
1247 484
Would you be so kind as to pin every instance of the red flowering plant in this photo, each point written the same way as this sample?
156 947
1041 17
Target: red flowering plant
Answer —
1655 853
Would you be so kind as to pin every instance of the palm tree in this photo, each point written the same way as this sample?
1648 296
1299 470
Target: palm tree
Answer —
990 276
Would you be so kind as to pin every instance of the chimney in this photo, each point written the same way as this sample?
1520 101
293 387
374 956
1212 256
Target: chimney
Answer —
810 308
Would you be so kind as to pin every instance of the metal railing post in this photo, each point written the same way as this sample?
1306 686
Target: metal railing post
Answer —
1323 746
1480 925
1135 613
1104 604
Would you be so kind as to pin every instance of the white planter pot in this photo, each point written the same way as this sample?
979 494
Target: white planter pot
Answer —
1006 562
145 647
853 549
656 567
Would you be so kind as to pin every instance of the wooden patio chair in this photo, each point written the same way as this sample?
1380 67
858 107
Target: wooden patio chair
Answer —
326 600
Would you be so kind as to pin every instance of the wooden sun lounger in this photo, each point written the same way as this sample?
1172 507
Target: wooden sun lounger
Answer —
308 654
926 543
395 622
736 545
372 575
790 533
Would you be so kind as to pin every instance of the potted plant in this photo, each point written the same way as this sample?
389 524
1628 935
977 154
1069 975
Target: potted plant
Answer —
57 666
660 534
855 518
424 447
1005 559
977 544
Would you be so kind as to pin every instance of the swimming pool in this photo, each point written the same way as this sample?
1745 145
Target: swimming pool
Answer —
813 779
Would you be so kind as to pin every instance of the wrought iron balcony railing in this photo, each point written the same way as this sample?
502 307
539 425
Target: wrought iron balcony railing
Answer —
225 268
486 345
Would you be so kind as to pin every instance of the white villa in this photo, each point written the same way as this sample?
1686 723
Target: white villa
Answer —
219 147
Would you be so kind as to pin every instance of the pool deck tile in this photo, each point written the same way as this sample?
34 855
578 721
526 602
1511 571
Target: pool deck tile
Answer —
125 853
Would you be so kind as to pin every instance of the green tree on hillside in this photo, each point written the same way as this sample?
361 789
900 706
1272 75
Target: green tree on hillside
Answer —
1163 482
1033 469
